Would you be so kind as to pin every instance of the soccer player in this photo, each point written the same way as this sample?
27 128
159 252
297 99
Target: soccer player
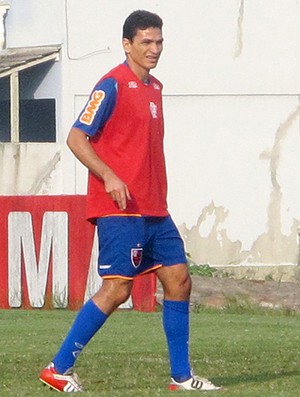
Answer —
118 136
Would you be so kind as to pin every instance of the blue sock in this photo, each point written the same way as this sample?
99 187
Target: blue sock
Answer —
88 321
176 327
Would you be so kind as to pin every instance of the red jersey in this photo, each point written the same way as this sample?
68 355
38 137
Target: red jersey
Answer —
131 144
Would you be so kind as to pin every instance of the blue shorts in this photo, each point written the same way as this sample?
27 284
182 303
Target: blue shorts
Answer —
130 245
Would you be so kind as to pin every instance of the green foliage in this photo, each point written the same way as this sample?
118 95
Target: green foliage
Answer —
251 355
269 277
199 270
225 274
202 270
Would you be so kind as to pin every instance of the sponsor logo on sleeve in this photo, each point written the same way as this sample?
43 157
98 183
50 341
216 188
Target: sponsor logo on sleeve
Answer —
153 110
92 107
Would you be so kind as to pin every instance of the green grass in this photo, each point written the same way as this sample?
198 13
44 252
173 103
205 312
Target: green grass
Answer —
251 355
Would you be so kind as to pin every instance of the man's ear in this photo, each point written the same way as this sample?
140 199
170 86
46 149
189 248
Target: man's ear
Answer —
126 45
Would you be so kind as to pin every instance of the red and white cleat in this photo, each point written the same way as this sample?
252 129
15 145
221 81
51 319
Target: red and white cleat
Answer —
67 382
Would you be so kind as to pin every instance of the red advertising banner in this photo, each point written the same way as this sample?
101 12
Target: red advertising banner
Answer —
48 255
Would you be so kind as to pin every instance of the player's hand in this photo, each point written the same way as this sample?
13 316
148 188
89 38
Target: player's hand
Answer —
117 189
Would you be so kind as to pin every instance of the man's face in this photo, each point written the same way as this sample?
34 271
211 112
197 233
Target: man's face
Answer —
144 51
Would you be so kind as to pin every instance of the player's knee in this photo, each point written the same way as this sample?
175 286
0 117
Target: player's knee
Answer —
113 293
179 287
185 284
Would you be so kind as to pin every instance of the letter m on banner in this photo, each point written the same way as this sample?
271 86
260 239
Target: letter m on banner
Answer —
22 250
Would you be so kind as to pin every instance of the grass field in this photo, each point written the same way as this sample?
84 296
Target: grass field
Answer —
251 355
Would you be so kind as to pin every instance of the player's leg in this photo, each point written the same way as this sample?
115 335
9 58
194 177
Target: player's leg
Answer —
176 284
91 317
176 281
114 261
168 249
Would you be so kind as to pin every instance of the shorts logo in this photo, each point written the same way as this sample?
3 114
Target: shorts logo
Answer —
136 256
92 106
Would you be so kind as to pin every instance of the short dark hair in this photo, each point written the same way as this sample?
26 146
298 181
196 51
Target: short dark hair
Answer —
140 20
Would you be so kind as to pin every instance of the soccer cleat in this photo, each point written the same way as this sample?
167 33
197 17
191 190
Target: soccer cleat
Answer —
194 383
67 382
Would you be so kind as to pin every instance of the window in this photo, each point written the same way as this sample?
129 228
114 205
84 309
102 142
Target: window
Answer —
36 120
23 116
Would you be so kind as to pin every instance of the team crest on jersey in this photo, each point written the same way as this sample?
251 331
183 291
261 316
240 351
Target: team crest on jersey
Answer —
92 106
136 256
132 84
153 110
156 86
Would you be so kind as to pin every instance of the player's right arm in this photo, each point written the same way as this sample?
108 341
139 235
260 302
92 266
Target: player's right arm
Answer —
92 118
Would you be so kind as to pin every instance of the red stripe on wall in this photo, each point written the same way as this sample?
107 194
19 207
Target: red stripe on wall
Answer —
79 242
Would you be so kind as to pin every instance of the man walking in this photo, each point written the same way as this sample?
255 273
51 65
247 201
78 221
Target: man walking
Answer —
118 136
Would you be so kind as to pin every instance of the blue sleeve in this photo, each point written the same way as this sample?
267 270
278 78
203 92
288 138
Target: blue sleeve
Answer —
99 107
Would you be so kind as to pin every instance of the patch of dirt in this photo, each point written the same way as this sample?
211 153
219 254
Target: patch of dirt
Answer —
219 292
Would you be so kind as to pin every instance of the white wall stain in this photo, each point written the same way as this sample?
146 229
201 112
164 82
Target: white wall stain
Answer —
17 164
239 34
271 247
216 248
44 178
30 168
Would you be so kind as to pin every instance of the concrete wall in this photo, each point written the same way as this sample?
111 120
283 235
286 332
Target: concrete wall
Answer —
231 75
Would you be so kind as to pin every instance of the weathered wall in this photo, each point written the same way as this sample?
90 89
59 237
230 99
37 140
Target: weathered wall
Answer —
34 169
231 75
239 197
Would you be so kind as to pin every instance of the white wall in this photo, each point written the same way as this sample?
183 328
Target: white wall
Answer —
231 74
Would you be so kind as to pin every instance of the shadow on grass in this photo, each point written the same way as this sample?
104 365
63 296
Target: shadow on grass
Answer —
254 378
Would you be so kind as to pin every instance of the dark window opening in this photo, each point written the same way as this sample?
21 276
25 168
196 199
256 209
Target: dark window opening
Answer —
37 122
4 110
4 121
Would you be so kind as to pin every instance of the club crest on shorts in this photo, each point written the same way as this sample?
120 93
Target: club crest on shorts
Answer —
136 256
